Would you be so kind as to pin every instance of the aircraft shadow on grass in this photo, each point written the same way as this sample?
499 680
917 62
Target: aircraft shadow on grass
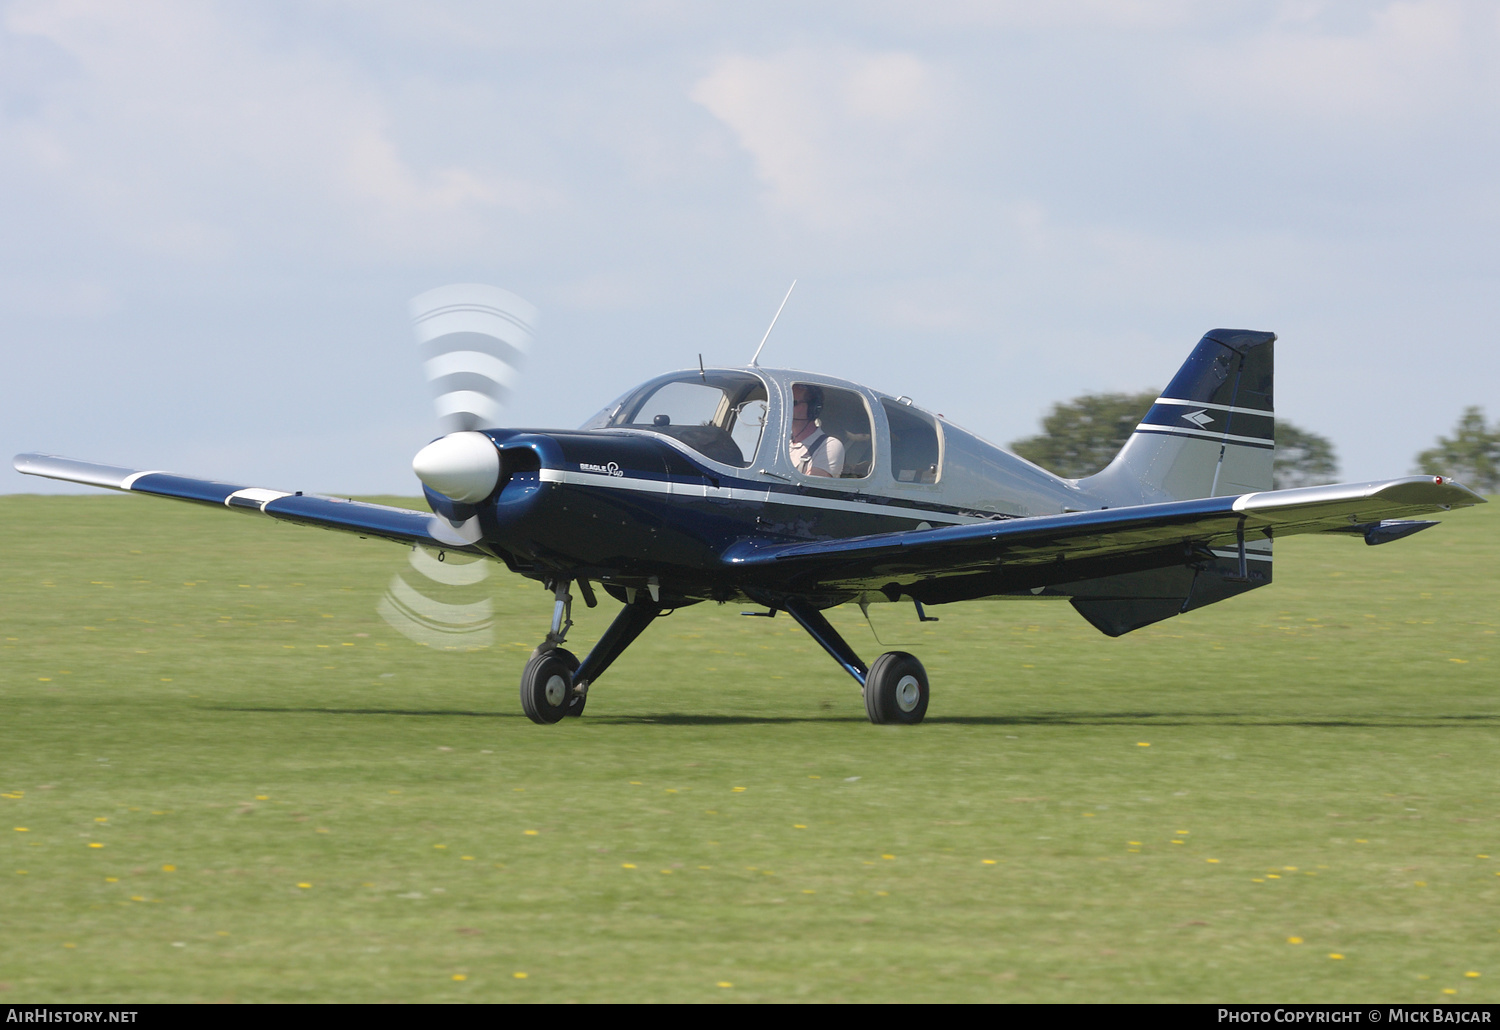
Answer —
1144 719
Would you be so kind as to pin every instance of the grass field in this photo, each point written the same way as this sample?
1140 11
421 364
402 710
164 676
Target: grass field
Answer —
224 778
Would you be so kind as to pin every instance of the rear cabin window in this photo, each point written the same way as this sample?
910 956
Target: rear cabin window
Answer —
914 444
839 442
721 415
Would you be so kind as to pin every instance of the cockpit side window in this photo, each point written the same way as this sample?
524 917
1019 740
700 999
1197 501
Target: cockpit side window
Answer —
721 415
914 444
830 432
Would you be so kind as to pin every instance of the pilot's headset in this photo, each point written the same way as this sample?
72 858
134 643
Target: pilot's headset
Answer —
814 400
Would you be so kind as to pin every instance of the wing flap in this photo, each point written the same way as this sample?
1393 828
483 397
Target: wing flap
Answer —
360 517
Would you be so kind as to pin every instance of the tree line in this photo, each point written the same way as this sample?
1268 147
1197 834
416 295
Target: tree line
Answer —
1081 436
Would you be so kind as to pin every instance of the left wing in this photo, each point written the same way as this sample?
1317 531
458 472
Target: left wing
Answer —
400 524
954 562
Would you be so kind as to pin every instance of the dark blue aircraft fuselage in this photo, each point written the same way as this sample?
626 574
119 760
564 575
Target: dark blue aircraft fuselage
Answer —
625 507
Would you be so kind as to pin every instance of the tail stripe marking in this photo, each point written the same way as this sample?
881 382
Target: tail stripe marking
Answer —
1203 434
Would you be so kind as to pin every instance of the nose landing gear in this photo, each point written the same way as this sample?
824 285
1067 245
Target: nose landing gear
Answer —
554 684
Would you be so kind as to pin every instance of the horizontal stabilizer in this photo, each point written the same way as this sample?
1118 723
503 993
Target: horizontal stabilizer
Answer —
377 520
1386 531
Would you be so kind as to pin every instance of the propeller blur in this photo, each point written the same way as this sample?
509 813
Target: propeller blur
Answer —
797 492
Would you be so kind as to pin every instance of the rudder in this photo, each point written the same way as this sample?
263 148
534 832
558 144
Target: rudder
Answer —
1210 433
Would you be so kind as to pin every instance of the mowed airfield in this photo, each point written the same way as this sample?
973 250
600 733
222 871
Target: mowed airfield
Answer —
224 778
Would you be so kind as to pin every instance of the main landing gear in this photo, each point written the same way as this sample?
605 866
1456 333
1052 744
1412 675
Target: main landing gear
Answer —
895 686
554 684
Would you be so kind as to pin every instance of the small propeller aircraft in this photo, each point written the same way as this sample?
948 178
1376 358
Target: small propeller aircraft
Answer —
798 492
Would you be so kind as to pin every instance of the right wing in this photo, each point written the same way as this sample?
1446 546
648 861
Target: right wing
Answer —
954 562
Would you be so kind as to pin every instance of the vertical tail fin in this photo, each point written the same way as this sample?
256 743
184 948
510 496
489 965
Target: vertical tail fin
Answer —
1209 434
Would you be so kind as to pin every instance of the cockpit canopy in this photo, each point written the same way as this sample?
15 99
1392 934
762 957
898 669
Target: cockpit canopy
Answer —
721 415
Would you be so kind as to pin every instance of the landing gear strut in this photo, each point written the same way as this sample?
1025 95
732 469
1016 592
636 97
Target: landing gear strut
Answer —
895 686
554 684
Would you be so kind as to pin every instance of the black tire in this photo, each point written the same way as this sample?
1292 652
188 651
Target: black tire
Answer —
896 689
547 686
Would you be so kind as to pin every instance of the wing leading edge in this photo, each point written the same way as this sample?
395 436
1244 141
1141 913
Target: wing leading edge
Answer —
378 520
958 562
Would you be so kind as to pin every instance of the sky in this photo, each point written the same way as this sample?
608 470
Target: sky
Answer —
214 213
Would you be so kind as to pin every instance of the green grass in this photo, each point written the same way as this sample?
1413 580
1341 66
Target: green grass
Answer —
216 694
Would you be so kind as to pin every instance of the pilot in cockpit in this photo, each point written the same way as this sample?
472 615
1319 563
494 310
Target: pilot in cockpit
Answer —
813 451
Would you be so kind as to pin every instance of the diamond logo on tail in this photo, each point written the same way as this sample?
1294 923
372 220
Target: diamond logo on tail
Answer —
1199 418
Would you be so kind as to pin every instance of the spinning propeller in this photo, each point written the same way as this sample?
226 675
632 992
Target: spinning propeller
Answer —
472 338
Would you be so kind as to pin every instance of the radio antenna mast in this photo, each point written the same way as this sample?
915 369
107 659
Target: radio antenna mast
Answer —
754 362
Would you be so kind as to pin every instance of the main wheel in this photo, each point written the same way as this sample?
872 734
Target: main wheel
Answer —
896 689
547 686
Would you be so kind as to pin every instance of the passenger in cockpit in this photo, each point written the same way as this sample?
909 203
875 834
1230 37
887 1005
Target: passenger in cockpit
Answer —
813 451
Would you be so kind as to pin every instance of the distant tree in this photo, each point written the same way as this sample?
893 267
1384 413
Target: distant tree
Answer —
1471 455
1081 436
1302 458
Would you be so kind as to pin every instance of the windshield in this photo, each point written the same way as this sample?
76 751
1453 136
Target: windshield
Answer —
721 415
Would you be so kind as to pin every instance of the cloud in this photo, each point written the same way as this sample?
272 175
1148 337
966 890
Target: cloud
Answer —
1399 62
830 131
189 128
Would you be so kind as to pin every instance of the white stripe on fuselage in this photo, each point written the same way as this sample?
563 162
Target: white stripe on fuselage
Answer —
762 496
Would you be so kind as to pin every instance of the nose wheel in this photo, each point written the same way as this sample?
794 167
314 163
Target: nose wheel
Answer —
547 693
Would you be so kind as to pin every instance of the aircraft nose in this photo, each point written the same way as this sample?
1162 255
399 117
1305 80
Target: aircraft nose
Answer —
463 467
